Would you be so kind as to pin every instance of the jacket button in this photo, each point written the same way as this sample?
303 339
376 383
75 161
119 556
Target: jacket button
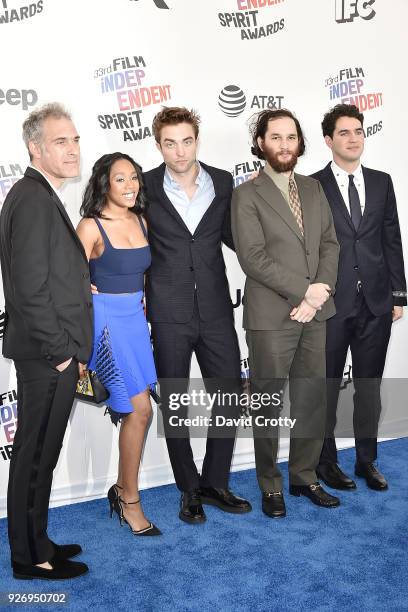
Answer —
307 252
356 267
191 269
193 239
307 277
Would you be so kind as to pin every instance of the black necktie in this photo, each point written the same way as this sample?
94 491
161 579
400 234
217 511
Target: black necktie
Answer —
355 208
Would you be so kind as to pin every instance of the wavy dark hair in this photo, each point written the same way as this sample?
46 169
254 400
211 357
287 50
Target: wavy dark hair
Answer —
338 111
259 126
94 200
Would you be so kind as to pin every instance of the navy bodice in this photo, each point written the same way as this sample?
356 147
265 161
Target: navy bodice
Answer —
119 270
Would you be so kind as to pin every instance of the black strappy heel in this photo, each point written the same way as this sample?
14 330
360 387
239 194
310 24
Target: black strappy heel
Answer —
112 498
151 530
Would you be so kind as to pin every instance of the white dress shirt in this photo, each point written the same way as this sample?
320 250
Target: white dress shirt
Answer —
191 211
342 179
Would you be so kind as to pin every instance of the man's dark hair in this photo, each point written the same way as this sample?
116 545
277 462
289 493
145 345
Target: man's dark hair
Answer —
340 110
259 126
173 115
94 200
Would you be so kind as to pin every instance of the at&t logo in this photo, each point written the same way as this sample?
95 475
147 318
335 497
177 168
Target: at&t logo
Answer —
348 10
232 100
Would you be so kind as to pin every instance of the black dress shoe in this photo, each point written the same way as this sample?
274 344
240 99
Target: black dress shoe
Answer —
191 510
332 475
273 504
316 494
61 570
63 551
225 500
66 551
374 479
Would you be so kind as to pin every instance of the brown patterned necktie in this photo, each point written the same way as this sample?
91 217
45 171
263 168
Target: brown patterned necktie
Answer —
294 203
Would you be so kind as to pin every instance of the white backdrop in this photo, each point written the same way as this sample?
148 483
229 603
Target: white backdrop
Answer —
113 63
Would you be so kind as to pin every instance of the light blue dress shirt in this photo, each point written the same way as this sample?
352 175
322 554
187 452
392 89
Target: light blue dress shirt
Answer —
191 211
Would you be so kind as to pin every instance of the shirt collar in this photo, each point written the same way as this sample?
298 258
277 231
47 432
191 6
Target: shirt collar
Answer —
57 191
200 178
281 180
343 174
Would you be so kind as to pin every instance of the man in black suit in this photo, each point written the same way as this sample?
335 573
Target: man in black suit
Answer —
188 301
370 292
48 335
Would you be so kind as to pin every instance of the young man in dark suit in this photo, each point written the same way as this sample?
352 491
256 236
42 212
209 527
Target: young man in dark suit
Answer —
188 301
48 335
370 292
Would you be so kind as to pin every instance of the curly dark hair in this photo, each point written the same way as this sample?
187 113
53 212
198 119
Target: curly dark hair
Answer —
94 200
340 110
259 126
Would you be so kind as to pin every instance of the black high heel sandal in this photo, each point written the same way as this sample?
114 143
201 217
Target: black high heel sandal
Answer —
151 530
112 498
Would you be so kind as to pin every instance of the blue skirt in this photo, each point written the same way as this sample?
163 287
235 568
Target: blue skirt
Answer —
122 352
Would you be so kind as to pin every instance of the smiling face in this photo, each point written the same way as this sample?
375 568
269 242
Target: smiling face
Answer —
123 184
57 155
281 144
347 142
178 145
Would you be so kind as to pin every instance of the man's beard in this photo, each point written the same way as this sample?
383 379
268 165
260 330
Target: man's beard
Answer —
281 166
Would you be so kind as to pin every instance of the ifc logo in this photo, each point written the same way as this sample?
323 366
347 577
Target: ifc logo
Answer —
232 100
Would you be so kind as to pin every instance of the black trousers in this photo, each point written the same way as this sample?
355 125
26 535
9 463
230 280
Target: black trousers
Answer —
44 399
368 337
215 345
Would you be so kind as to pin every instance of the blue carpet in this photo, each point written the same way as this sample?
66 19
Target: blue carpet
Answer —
351 558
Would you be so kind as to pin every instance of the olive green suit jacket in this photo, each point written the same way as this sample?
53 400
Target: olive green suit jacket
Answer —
278 262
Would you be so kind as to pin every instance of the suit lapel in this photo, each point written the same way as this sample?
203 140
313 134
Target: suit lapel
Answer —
164 199
37 176
268 191
369 196
217 188
308 208
334 194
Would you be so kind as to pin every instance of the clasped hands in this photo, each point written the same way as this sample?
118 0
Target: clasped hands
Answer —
316 295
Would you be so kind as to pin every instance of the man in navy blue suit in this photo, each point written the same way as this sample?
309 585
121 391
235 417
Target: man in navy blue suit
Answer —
370 292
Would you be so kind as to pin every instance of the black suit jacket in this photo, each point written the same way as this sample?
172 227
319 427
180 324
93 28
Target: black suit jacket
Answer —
373 254
45 276
182 261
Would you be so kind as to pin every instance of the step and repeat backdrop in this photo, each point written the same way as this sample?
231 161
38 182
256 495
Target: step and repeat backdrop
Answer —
114 63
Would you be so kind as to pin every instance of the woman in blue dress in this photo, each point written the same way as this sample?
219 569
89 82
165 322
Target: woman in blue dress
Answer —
113 232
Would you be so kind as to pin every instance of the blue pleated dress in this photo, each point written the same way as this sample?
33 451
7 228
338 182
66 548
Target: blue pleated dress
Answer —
122 353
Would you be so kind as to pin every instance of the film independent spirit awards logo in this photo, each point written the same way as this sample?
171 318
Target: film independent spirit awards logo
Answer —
9 12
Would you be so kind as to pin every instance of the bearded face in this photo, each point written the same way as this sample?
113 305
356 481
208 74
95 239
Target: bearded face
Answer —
281 144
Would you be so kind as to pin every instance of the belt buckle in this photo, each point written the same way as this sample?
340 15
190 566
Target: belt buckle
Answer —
359 285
